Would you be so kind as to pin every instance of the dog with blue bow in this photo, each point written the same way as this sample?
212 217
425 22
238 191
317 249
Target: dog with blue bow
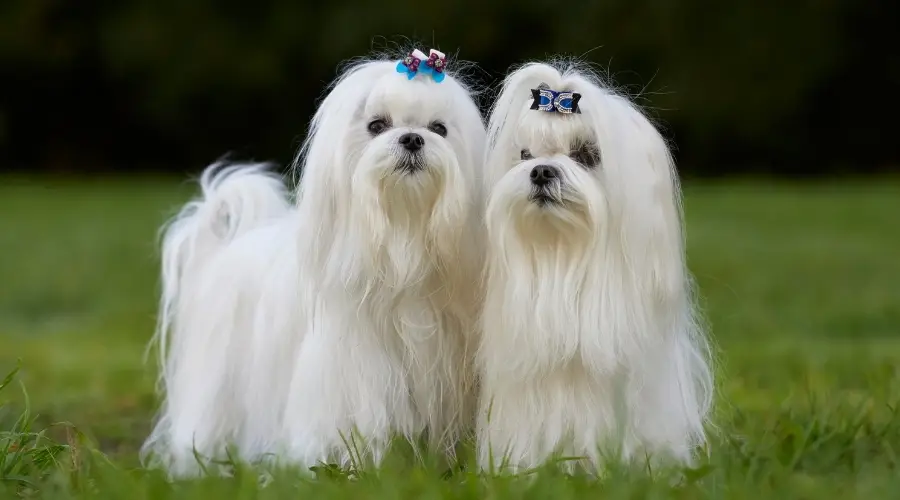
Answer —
591 347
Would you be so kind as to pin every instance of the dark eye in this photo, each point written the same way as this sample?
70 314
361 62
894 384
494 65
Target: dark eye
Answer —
378 126
526 155
438 128
586 154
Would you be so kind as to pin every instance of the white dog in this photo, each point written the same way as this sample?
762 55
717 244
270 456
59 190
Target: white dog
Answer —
292 330
590 346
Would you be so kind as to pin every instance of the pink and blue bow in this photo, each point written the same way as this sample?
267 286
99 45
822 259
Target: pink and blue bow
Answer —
416 62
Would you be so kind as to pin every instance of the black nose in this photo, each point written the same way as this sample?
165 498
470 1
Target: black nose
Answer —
542 175
412 141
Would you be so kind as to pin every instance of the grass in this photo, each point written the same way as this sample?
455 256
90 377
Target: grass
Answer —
800 284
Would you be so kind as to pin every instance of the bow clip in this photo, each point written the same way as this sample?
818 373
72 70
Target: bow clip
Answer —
435 64
553 101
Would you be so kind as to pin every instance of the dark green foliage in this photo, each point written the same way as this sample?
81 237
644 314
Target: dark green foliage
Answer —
807 86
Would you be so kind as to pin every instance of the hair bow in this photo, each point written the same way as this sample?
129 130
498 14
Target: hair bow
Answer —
554 101
434 64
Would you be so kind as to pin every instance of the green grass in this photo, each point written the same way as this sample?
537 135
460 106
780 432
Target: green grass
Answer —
801 284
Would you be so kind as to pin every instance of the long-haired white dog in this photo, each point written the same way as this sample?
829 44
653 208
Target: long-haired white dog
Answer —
590 346
295 329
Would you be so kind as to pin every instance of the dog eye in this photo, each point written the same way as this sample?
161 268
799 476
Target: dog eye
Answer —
438 128
587 155
526 155
378 126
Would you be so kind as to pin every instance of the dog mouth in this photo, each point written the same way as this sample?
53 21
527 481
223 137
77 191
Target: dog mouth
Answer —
542 197
410 163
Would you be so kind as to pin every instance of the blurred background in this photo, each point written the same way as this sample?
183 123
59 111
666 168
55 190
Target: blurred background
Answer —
746 86
783 114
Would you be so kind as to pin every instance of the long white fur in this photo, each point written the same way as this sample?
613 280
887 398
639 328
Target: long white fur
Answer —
591 346
292 328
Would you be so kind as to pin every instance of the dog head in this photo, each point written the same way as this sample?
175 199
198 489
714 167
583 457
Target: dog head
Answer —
573 166
393 161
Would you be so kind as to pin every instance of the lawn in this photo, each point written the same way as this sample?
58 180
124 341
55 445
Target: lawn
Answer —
800 282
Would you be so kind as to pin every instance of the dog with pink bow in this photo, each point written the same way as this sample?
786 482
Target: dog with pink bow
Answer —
319 329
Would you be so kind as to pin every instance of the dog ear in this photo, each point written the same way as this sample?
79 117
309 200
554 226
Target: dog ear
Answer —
460 258
670 389
670 375
318 162
645 198
324 172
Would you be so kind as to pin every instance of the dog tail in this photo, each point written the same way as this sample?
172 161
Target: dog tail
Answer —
234 199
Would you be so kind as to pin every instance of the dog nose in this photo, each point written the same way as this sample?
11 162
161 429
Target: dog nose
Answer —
542 175
412 141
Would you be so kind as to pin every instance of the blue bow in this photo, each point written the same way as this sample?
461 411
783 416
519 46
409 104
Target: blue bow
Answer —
554 101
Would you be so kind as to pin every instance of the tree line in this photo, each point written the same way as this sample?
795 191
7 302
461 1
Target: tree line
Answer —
807 87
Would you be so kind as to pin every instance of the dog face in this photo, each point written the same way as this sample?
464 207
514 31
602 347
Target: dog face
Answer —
547 169
396 146
599 183
405 130
553 171
392 171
